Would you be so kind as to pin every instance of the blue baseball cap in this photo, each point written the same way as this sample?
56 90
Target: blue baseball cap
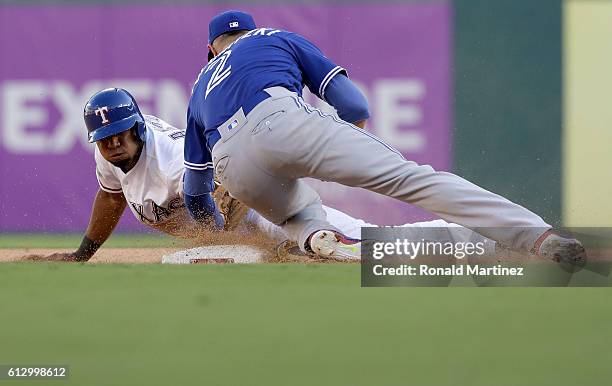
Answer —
228 21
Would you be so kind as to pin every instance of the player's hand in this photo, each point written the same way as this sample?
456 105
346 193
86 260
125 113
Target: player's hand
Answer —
62 257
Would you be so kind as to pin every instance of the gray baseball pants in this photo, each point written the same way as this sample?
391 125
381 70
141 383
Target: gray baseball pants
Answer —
261 159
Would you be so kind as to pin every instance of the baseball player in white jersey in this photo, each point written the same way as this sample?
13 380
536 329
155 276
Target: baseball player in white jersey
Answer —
139 164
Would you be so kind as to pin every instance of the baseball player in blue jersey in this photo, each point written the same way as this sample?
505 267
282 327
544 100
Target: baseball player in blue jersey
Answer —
248 124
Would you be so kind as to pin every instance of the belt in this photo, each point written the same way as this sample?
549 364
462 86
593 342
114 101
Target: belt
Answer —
260 96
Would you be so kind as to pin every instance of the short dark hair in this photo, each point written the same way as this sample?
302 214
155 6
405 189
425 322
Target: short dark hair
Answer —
231 34
234 33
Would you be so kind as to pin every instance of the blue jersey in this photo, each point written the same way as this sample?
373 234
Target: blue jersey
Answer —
262 58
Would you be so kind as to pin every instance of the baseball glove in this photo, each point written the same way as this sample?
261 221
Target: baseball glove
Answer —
233 211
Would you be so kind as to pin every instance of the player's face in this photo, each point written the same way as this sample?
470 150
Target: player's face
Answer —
121 150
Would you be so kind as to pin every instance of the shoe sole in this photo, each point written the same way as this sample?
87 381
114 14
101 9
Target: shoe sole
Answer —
325 244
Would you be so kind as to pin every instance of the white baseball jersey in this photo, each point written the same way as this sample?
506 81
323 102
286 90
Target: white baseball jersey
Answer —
153 187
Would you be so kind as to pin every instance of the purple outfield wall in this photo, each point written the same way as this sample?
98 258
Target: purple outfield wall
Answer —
55 57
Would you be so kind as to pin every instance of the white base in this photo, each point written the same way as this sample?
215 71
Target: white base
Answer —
216 254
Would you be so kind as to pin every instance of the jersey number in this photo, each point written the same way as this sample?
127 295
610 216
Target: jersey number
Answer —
220 73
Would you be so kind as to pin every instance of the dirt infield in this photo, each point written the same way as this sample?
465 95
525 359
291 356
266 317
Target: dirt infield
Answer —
152 255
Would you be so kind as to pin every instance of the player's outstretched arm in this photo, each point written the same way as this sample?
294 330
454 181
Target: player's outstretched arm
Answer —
106 212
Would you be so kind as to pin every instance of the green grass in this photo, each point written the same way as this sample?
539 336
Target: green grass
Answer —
69 240
295 325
